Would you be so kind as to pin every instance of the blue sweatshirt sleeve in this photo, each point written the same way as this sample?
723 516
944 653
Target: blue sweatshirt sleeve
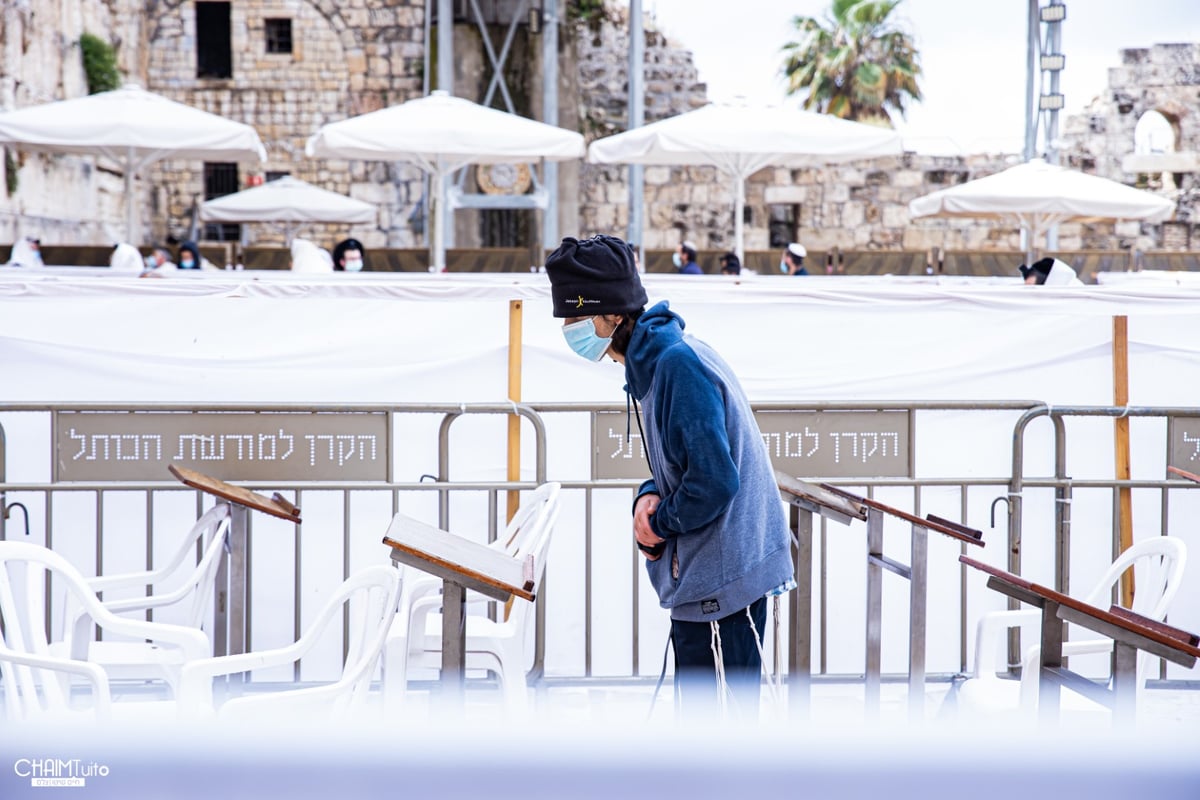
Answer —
695 441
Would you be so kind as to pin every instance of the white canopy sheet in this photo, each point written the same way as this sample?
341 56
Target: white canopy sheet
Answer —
278 337
248 336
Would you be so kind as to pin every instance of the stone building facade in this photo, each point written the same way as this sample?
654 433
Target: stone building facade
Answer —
348 57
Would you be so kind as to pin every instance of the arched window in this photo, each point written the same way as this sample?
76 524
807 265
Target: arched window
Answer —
1153 133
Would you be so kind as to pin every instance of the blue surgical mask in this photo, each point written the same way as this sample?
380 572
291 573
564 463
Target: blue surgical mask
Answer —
581 337
186 263
353 265
676 260
783 266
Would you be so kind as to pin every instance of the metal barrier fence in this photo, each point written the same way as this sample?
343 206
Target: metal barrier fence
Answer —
595 581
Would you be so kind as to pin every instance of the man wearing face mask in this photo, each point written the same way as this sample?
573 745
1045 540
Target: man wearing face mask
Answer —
709 521
348 256
684 259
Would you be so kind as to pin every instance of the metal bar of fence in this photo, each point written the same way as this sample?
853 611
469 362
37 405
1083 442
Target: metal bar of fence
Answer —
445 488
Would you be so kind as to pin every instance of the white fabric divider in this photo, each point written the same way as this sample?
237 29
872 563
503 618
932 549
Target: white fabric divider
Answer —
68 336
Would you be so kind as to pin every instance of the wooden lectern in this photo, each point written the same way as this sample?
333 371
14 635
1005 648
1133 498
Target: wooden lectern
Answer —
1129 631
462 564
805 500
835 503
230 632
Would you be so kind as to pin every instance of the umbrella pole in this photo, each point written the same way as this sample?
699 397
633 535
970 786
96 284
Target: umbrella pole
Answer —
739 205
129 198
438 217
1121 447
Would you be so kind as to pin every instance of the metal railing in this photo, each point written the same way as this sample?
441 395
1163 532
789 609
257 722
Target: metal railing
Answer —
38 499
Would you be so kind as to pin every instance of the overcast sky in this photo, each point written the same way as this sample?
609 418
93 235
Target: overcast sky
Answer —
973 55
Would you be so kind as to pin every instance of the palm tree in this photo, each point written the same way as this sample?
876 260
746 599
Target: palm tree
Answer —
858 65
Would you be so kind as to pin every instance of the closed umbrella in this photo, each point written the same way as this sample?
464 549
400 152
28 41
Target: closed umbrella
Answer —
134 128
441 133
1037 195
740 139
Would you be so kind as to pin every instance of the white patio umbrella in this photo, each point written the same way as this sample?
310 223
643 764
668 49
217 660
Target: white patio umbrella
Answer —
740 139
290 201
1037 195
440 134
133 127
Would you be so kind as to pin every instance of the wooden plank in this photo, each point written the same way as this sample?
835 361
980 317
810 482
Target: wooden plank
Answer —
820 496
448 554
277 507
1162 627
1121 433
1124 622
929 524
1191 476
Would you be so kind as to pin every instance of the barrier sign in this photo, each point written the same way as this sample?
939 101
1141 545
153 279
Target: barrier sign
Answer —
807 444
1183 448
236 446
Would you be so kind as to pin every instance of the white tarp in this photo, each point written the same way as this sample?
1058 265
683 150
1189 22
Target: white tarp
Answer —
263 337
287 199
134 128
740 139
441 133
1039 195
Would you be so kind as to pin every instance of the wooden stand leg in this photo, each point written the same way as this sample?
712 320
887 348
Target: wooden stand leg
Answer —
918 571
874 611
1124 672
454 643
800 612
1048 684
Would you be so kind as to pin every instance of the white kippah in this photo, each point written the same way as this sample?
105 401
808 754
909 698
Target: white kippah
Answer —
797 249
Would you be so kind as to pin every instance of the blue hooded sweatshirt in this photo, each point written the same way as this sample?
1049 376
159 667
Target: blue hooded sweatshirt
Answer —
727 540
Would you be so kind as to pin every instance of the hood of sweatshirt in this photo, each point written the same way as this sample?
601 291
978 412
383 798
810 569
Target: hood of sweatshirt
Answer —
658 329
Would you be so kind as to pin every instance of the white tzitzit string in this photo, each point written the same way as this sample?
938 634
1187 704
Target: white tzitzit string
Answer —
719 662
772 689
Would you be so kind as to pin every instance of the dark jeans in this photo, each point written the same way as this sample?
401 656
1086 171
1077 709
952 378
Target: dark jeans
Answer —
695 670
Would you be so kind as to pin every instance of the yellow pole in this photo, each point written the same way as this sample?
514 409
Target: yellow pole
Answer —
514 394
1121 431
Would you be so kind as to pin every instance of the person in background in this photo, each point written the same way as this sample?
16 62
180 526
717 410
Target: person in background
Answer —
307 257
731 264
348 256
26 252
159 258
1049 272
792 262
126 258
709 521
189 256
684 259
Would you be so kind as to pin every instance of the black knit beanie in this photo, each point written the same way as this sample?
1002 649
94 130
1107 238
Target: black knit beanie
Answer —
594 276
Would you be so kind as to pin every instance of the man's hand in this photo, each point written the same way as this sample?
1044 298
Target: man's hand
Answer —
646 538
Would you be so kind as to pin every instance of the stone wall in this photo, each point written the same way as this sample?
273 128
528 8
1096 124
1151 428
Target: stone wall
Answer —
359 55
863 205
1163 78
348 58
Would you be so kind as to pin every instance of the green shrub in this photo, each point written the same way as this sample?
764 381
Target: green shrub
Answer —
99 64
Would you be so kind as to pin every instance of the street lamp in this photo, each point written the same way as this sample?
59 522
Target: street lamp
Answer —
1053 62
1055 12
1050 102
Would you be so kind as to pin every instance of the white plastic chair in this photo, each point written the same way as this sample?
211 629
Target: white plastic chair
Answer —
371 595
135 660
495 645
38 671
1158 572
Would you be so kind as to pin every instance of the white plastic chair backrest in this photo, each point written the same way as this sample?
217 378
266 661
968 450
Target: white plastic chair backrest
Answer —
1158 564
24 568
210 531
528 534
371 595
